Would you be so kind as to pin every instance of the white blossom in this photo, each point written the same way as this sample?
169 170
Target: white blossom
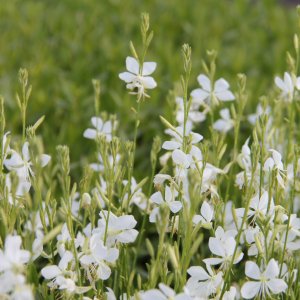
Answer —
138 77
219 91
266 282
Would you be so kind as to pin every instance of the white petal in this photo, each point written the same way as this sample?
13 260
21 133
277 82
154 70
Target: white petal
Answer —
220 125
198 272
15 161
152 294
67 257
170 145
229 245
167 290
250 289
44 159
168 194
272 269
154 215
90 133
107 127
216 247
148 82
225 96
269 164
196 137
175 206
180 158
206 211
97 123
252 270
127 77
50 272
280 84
148 68
225 114
199 95
221 85
157 198
103 271
213 261
132 65
127 236
288 82
204 81
25 151
124 222
112 255
277 285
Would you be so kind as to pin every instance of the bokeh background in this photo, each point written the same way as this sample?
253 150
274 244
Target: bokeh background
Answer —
65 44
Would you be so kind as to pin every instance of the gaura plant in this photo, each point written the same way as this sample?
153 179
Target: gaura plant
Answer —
216 216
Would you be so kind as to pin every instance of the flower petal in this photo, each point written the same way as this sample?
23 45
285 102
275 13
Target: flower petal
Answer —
216 247
277 285
250 289
221 85
175 206
272 269
97 123
252 270
204 81
132 65
127 77
148 68
50 272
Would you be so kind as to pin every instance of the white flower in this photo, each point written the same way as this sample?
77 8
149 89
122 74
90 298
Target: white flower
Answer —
225 123
164 293
259 111
231 294
99 256
13 257
274 163
206 217
119 229
99 166
208 92
5 145
136 196
168 200
259 207
63 239
181 159
245 162
194 116
287 86
202 283
159 179
22 165
21 189
22 292
37 246
294 224
138 77
266 282
101 129
177 138
63 277
13 286
224 248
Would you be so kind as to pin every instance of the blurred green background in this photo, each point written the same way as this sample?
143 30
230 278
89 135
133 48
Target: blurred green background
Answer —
65 44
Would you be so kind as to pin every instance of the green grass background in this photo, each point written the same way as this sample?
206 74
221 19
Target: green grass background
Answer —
64 44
